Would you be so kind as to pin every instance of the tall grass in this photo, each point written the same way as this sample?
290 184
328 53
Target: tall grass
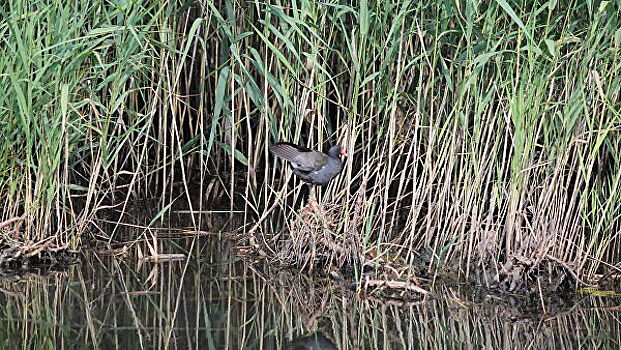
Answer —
85 118
485 136
480 135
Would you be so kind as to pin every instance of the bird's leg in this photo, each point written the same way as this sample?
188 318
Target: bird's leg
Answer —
309 209
312 199
311 192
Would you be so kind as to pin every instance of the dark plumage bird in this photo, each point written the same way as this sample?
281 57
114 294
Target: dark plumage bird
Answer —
313 167
316 341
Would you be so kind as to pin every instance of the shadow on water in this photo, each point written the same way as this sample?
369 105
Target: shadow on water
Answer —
213 300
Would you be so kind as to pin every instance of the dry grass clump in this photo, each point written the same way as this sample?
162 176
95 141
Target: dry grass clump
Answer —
17 249
323 235
317 237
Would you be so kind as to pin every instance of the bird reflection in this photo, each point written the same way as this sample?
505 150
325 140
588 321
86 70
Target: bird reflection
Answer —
315 341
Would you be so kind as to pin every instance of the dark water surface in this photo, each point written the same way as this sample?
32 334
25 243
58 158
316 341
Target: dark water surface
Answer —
213 300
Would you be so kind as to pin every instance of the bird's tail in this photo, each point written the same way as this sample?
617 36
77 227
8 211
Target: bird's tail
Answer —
287 150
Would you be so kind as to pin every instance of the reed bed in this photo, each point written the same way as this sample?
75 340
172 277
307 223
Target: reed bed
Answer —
482 136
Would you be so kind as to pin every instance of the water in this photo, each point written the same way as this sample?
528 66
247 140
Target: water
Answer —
214 300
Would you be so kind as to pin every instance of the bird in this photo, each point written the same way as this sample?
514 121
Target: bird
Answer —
313 167
315 341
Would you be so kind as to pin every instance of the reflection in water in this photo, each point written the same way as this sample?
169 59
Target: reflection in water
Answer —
214 301
315 341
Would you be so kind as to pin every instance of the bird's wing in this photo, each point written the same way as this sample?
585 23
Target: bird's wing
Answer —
309 162
301 158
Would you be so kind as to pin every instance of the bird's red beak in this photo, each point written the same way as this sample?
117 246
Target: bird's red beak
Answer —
343 152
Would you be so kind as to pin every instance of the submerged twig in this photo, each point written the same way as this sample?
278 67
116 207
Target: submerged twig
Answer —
395 285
